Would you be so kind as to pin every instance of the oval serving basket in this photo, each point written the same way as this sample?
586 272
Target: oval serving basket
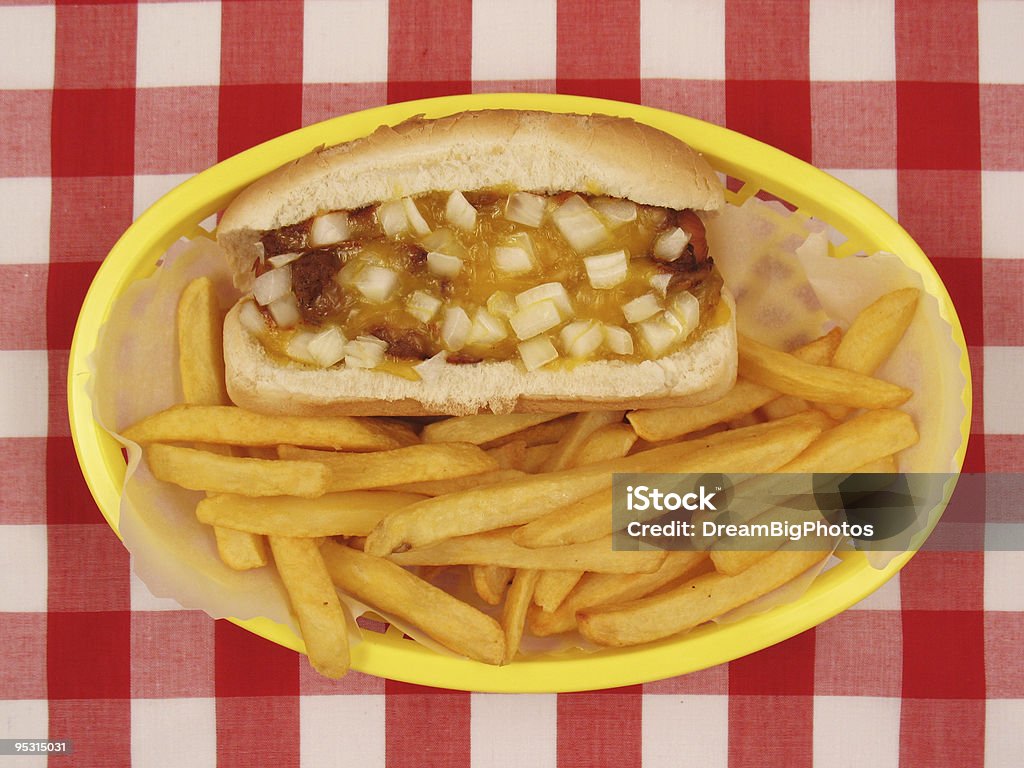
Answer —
758 167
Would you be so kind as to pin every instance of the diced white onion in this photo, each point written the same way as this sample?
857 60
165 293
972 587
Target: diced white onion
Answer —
327 347
641 308
416 221
285 311
443 265
616 211
607 270
526 208
298 347
455 328
656 335
459 211
365 352
392 218
535 318
431 368
668 246
582 338
659 281
501 304
617 340
443 241
487 329
329 228
272 285
511 259
376 283
283 259
422 305
686 309
537 352
252 319
547 292
579 224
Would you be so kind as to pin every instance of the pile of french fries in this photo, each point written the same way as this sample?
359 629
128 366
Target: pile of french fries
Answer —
374 508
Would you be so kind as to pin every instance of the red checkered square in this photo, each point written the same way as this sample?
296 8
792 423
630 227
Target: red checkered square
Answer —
261 42
1004 637
23 656
703 99
409 90
941 734
252 114
323 101
785 669
1001 109
57 423
963 280
937 44
425 726
77 232
938 126
854 124
93 132
95 46
750 24
25 133
98 582
23 481
600 727
712 681
24 302
311 683
855 653
88 655
172 654
943 581
513 86
598 51
175 129
65 291
1004 453
264 726
239 653
68 500
769 731
777 112
943 654
1002 289
99 728
429 47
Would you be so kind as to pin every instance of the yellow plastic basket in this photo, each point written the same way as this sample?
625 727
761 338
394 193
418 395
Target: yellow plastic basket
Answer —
760 167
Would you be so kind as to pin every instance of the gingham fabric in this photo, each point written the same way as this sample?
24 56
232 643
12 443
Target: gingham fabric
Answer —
106 105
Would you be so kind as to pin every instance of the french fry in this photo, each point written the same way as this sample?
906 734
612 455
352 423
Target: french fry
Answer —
456 484
602 588
509 456
731 561
240 550
582 426
552 588
789 375
229 425
784 406
536 455
315 602
609 442
349 513
513 614
205 471
692 603
542 434
867 437
520 501
482 428
379 469
490 582
497 548
394 591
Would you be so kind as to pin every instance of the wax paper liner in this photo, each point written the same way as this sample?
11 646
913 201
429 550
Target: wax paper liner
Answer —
787 289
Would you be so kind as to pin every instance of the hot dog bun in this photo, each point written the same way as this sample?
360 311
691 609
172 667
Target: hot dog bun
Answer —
526 151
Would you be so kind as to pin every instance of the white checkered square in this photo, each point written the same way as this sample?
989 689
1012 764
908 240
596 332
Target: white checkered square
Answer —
879 184
1001 193
852 40
868 727
1004 409
345 42
1004 573
1004 738
24 393
685 730
514 41
1000 32
682 39
178 44
150 188
25 719
168 733
361 718
27 41
23 578
25 220
508 731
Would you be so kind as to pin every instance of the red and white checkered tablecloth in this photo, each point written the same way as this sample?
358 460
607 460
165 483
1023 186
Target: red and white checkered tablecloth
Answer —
106 105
